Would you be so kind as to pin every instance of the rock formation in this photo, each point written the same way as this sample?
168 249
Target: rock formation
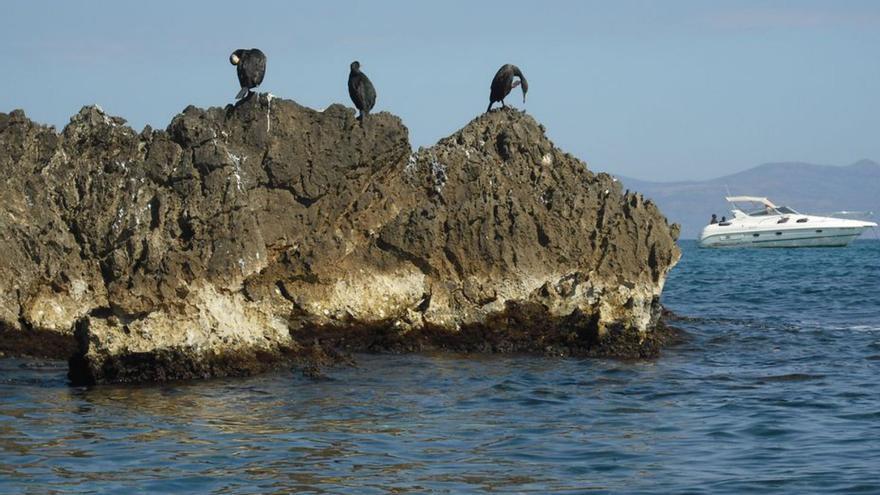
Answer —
242 237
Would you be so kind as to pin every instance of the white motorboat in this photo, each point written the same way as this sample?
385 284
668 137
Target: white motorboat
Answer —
779 226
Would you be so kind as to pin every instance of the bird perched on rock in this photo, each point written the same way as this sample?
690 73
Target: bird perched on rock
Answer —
251 69
503 82
361 90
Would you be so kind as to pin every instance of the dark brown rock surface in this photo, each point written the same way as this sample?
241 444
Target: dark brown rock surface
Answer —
238 237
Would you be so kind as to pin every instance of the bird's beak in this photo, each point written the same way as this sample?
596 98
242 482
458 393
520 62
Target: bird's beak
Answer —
234 59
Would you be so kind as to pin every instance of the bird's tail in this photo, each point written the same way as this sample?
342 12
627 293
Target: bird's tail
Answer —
489 107
241 93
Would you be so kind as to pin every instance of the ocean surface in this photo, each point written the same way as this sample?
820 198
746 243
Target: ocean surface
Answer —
775 390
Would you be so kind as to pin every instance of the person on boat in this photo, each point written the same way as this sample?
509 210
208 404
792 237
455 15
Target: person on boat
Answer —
723 219
714 219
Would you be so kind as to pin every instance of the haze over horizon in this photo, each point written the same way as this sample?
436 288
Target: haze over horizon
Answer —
752 168
658 91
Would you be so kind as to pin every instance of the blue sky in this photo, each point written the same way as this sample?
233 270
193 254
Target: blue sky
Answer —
660 90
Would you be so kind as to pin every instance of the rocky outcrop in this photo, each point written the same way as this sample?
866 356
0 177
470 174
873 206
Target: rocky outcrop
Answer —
239 238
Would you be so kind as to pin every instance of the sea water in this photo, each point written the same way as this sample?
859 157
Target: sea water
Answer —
775 389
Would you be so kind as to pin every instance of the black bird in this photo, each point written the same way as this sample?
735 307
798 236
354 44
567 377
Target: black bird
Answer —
251 69
503 82
361 90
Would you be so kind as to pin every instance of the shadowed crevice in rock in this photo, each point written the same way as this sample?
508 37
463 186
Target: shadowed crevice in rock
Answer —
520 329
36 343
233 240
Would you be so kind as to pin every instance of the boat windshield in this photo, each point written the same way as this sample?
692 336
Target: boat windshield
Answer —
780 210
762 212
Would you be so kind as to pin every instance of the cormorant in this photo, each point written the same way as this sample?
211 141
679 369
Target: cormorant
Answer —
502 83
251 69
361 90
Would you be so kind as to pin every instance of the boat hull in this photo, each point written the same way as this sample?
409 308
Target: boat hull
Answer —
827 237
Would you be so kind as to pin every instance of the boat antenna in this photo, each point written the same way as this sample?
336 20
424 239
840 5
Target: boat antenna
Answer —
730 195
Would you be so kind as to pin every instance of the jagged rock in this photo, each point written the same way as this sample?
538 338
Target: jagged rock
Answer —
241 236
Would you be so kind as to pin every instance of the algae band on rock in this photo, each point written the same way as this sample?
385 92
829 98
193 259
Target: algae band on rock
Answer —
240 238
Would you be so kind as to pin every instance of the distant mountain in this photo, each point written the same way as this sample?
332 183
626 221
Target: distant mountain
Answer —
806 187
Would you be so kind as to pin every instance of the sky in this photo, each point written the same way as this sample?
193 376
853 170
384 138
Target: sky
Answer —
654 90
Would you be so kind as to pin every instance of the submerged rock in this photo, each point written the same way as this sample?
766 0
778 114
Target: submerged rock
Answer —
241 237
